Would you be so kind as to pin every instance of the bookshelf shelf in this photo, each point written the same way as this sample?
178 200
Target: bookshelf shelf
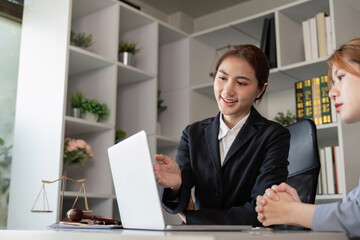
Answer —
82 61
76 126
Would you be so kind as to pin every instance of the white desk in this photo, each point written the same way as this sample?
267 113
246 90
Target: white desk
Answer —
154 235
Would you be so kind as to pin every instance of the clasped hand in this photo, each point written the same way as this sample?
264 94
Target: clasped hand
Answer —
274 206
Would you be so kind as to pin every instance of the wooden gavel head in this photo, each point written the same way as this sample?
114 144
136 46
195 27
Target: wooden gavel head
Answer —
75 215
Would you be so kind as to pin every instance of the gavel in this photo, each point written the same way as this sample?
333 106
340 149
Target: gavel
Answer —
76 215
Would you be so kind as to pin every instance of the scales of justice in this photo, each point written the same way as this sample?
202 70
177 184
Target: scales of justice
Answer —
75 216
46 208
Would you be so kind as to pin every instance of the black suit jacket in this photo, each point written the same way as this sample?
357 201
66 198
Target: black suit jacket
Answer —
226 194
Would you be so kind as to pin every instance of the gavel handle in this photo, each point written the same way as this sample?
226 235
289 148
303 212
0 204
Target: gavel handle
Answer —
105 220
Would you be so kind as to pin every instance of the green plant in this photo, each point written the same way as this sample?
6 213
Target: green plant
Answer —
287 119
95 107
160 101
83 39
5 163
77 99
128 47
119 134
76 152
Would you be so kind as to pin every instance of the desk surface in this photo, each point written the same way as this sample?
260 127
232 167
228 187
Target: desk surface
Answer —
121 234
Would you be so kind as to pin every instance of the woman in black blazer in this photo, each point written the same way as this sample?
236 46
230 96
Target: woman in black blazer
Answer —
232 157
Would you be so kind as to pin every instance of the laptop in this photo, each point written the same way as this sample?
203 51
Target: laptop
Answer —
137 191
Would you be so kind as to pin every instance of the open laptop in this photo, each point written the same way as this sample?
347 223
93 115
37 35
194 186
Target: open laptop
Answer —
136 188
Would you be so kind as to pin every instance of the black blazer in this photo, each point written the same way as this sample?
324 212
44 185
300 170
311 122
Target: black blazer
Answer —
226 194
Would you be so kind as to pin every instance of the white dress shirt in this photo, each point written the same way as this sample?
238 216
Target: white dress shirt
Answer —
227 136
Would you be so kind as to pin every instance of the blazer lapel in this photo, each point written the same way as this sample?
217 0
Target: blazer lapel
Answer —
245 134
211 133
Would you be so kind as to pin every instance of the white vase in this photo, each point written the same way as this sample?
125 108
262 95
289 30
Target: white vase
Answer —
90 117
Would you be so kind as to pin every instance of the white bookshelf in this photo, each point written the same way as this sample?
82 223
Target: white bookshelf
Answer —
130 93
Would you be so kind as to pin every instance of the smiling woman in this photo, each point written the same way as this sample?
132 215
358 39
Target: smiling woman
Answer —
232 156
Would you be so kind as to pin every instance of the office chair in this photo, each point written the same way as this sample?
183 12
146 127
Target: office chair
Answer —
304 162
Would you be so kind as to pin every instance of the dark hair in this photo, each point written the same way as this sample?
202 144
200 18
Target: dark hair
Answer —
349 52
254 57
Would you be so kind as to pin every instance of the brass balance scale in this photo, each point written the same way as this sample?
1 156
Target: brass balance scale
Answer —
46 208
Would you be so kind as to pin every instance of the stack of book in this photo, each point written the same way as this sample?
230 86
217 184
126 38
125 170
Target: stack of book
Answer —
330 177
313 102
317 36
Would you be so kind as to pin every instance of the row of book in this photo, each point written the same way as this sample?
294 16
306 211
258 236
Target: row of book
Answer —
330 176
317 36
313 102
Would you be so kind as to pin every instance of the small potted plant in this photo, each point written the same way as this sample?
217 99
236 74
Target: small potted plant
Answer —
76 152
76 102
160 109
127 51
93 110
119 134
82 40
287 119
5 168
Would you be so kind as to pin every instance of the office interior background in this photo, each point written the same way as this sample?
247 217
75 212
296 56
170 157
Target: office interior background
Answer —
179 41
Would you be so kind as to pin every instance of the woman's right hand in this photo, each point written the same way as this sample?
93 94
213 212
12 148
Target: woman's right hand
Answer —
167 172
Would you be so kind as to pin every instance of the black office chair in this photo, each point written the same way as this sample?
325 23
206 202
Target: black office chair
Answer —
304 162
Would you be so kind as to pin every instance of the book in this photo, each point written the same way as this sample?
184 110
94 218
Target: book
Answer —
321 34
306 39
336 177
328 30
323 171
329 170
307 95
316 100
272 44
313 37
299 100
325 100
264 42
339 176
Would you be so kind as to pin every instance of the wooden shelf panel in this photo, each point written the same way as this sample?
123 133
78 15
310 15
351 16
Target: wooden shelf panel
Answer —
81 61
168 34
85 7
76 126
131 18
129 74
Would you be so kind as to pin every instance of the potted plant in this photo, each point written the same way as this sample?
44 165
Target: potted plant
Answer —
82 40
119 134
5 167
76 102
94 110
127 51
287 119
76 152
160 109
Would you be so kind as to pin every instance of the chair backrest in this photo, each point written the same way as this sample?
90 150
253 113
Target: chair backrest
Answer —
304 161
